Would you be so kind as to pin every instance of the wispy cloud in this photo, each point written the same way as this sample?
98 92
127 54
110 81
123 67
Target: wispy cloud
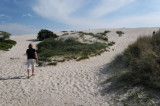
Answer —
57 9
4 18
17 29
2 15
63 10
107 6
145 20
27 15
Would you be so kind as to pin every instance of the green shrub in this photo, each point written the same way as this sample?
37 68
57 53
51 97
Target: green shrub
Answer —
82 58
106 32
5 35
101 34
6 44
119 33
81 32
91 34
105 39
111 43
43 34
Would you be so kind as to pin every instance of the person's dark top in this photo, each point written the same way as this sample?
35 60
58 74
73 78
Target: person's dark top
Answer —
31 53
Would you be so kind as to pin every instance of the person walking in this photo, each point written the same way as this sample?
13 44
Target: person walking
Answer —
32 58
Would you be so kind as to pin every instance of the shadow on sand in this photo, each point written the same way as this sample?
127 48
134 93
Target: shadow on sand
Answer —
109 85
112 88
14 78
106 75
118 93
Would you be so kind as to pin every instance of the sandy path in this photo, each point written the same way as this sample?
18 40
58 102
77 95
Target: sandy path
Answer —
67 84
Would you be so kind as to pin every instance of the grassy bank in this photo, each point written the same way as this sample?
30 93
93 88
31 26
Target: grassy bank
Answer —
6 44
138 66
51 50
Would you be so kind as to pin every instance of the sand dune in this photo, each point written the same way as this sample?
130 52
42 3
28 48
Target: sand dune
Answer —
70 83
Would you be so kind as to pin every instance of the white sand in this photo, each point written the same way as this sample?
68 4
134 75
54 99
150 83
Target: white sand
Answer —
68 84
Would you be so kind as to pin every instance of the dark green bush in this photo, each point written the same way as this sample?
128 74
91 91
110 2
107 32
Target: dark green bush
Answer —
111 43
101 34
6 44
83 57
44 34
119 33
4 34
106 32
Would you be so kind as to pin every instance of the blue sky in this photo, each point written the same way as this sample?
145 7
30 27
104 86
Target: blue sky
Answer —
29 16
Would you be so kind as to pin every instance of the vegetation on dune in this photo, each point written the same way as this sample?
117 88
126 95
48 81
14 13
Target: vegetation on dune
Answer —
65 33
44 34
4 35
106 32
138 66
103 33
69 49
51 51
120 33
5 43
143 62
100 36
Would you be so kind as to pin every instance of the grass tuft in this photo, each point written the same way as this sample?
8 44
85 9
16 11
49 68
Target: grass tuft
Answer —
120 33
53 63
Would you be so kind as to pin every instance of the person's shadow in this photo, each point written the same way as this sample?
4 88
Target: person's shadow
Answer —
13 78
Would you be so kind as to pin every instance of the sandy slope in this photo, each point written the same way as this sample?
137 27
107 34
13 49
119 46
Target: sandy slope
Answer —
68 84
